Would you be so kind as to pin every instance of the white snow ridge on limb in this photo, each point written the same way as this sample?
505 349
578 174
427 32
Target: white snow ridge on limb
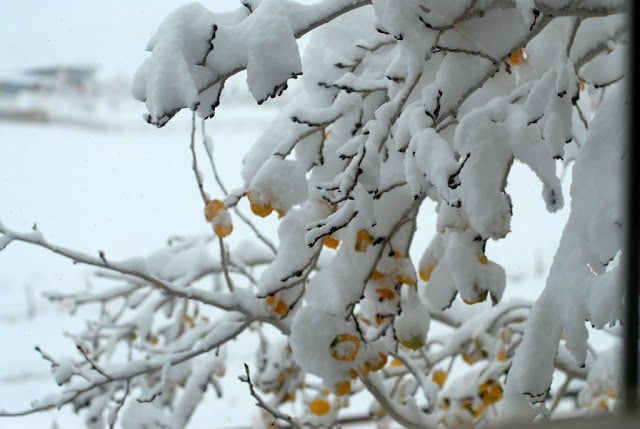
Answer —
194 51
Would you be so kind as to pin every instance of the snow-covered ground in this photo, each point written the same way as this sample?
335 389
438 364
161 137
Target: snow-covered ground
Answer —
126 189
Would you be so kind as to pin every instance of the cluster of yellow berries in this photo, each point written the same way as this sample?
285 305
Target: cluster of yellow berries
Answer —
599 394
216 212
397 270
345 348
488 394
474 352
277 305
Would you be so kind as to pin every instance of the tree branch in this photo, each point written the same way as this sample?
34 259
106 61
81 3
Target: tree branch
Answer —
132 370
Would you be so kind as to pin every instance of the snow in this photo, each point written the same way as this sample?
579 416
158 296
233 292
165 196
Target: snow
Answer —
123 212
592 237
335 171
313 351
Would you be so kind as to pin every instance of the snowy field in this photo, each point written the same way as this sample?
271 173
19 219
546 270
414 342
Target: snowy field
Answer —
125 190
127 187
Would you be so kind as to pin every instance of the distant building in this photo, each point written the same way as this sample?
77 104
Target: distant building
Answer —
50 79
14 87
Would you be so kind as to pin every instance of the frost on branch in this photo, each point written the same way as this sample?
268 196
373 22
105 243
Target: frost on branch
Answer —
404 107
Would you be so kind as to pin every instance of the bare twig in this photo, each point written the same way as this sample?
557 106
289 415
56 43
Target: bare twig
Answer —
277 415
223 188
91 363
572 36
209 150
194 160
119 405
225 268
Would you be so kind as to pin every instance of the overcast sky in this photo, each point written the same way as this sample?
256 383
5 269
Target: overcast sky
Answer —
108 34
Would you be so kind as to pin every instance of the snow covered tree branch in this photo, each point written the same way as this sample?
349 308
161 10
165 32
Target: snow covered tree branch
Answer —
403 106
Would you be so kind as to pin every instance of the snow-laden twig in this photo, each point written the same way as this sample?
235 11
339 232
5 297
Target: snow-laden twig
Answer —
240 300
319 14
130 370
409 419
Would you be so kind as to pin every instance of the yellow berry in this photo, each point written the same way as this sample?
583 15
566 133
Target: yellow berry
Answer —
223 229
344 347
380 412
467 404
480 298
363 240
468 358
413 343
490 392
364 371
376 275
377 364
518 57
331 242
212 209
425 274
385 293
319 406
483 259
259 208
401 278
281 308
478 410
502 355
262 210
186 319
439 377
277 305
603 404
505 335
397 363
383 361
343 388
